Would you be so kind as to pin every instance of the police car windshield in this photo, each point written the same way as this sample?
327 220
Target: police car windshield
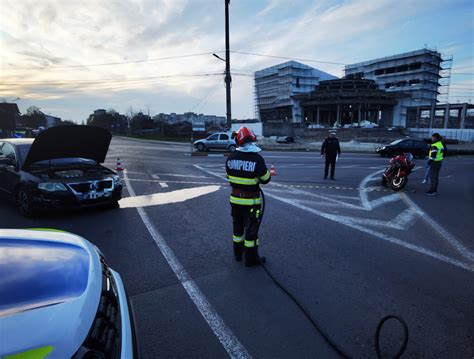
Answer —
396 142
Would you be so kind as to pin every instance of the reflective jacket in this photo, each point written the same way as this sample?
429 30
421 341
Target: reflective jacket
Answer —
245 171
437 151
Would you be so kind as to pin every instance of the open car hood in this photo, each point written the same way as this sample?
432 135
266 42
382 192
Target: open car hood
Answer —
70 142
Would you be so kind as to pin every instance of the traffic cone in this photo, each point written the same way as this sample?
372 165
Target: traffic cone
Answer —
119 167
273 171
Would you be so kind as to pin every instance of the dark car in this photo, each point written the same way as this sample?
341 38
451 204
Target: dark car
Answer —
60 169
417 148
285 139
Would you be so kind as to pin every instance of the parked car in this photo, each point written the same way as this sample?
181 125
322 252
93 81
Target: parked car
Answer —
216 141
285 139
59 299
60 169
417 148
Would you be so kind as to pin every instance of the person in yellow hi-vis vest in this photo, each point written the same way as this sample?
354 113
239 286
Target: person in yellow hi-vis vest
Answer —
436 156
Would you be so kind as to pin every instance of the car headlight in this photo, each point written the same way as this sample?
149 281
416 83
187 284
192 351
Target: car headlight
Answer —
117 180
52 186
382 148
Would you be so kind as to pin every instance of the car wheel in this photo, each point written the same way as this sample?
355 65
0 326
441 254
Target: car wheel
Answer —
113 205
201 147
23 203
231 148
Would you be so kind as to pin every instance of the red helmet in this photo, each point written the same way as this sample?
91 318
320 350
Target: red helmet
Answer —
244 135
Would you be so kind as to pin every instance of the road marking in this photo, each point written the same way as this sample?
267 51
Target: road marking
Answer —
388 238
177 196
163 184
339 219
364 198
456 244
229 341
157 175
158 181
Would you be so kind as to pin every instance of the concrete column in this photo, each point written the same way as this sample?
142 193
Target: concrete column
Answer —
317 115
337 114
358 117
446 115
463 114
432 114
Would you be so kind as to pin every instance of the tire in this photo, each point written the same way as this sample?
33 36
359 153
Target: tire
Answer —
398 183
23 203
113 205
201 147
231 148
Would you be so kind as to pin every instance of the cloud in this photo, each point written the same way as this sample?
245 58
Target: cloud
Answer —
57 32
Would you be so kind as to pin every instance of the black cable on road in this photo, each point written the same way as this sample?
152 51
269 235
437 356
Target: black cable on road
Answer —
319 328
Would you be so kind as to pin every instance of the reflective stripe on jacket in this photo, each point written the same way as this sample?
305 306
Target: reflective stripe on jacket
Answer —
245 172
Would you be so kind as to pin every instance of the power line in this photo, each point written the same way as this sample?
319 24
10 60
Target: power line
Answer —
101 81
463 73
111 63
287 58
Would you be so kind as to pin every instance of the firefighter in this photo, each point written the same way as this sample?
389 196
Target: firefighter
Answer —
246 169
435 158
330 149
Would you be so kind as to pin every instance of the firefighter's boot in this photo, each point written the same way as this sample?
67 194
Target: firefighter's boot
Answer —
238 251
252 258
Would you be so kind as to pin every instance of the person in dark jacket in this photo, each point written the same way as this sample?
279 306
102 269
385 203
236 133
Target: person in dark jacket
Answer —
330 149
246 170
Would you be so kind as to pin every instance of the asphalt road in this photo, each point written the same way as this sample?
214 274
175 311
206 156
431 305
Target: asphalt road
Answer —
350 251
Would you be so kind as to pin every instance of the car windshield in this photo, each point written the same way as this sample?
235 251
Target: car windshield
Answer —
396 142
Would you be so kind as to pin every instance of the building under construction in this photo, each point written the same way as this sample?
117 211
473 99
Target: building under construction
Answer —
276 86
423 74
343 102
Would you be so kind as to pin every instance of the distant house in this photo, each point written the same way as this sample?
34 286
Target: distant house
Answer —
52 121
9 114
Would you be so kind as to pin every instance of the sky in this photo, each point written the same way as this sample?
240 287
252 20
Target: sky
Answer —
70 57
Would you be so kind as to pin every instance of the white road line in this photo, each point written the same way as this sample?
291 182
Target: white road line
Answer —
444 234
363 195
157 175
163 184
388 238
229 341
406 218
158 181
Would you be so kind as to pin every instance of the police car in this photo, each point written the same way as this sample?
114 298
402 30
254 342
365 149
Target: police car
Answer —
60 299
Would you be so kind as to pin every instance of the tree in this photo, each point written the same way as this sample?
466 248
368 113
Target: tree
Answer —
33 118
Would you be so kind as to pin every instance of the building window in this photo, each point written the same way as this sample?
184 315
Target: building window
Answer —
454 119
379 72
297 82
469 120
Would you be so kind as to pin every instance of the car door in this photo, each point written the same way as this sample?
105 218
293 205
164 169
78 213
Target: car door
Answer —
406 146
212 141
9 175
421 149
223 141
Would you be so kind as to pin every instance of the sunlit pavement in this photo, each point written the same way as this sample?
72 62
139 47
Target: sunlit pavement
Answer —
349 250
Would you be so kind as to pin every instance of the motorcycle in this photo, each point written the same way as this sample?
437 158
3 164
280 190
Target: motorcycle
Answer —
397 171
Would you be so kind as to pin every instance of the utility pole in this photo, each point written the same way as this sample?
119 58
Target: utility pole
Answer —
228 78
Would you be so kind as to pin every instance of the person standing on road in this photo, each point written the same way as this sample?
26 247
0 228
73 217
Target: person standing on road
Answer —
436 156
246 169
331 150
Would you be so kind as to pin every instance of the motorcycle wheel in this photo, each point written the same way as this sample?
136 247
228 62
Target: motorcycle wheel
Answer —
397 183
